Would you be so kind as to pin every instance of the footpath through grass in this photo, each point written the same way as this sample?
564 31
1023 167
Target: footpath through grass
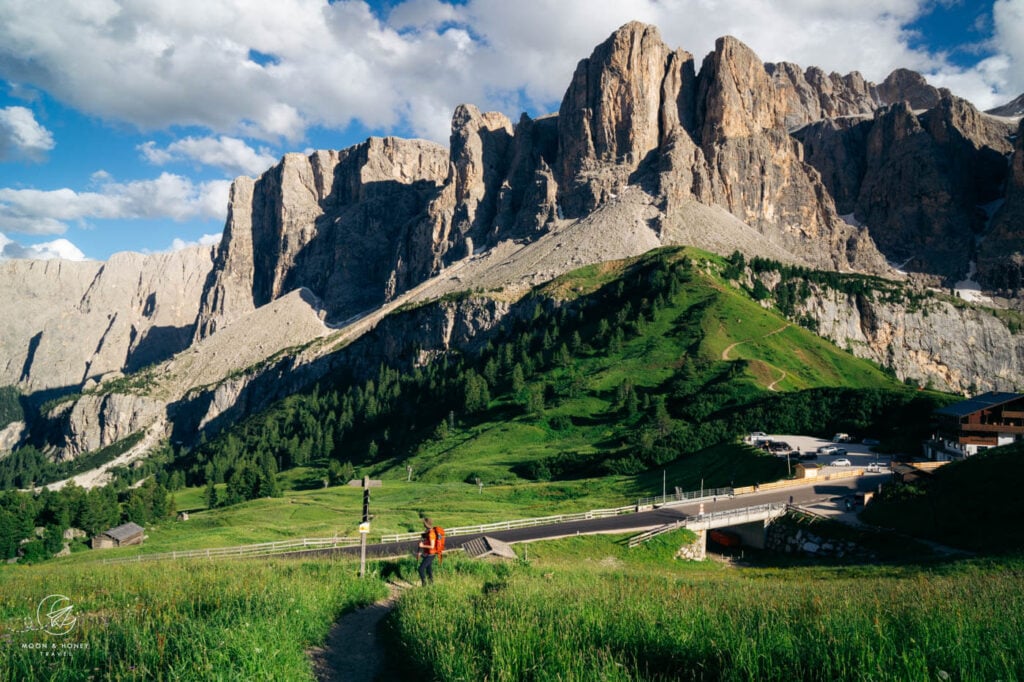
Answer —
582 609
229 620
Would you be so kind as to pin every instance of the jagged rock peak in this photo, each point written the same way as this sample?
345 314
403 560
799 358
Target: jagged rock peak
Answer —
904 85
288 213
1011 109
737 94
610 112
480 144
813 95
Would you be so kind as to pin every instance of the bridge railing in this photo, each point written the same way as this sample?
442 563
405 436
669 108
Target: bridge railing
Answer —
638 540
684 497
517 523
756 512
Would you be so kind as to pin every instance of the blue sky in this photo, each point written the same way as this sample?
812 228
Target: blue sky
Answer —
122 123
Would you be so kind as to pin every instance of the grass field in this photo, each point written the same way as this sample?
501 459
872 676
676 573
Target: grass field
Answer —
583 609
233 620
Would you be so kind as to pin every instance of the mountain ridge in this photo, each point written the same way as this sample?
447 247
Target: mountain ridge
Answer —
646 150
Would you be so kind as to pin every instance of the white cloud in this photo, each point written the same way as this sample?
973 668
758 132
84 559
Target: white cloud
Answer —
33 211
230 154
21 136
194 62
177 244
58 248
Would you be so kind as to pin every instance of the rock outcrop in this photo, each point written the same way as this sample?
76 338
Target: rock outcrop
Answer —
930 342
813 95
66 323
96 421
1001 253
916 179
338 223
904 85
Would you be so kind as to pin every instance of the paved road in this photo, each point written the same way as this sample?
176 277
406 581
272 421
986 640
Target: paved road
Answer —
626 523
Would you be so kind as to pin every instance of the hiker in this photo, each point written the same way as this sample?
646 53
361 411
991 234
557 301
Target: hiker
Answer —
428 547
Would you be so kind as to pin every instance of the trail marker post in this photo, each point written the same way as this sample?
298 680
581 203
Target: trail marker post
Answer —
364 527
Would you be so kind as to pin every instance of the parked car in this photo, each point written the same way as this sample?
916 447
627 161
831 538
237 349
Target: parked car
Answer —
839 452
778 446
841 462
841 438
828 449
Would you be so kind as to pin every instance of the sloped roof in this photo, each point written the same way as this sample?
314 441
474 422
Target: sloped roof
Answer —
977 403
124 531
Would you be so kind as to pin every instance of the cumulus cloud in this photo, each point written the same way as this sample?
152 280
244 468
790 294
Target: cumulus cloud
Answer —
177 244
229 154
271 72
58 248
32 211
21 136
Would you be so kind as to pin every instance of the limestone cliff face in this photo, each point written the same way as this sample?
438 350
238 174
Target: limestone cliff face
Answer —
904 85
68 322
1001 253
610 117
337 223
96 421
952 348
916 179
718 137
813 95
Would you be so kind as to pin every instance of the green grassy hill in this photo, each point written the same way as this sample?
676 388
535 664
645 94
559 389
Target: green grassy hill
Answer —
598 385
612 369
965 504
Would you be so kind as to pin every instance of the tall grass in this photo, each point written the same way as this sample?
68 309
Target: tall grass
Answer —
237 620
582 623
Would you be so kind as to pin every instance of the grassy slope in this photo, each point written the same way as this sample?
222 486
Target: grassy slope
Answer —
705 318
965 504
643 616
201 620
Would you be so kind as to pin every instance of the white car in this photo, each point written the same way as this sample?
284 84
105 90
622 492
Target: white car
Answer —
827 449
841 462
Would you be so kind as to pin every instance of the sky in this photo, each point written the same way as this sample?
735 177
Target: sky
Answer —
123 122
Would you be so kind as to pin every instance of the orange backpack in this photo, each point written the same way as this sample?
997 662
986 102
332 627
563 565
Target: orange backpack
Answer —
438 532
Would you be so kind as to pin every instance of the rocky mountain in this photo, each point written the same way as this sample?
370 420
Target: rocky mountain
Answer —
813 95
70 323
1011 109
1001 254
648 148
917 179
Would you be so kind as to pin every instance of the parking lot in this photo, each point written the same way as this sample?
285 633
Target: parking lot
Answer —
860 455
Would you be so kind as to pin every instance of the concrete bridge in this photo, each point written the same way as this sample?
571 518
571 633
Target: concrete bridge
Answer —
748 523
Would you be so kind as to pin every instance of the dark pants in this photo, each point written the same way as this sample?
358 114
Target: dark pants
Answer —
427 568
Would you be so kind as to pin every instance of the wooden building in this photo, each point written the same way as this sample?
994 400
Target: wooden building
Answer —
971 426
121 536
